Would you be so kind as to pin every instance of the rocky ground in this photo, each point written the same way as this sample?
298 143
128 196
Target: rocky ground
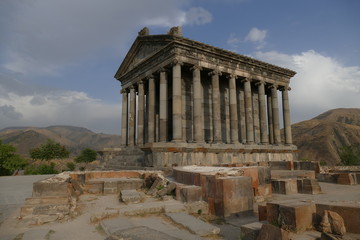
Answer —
104 217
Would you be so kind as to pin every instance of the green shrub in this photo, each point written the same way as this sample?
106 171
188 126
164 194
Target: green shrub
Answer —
349 155
87 155
41 169
70 166
49 150
323 163
9 161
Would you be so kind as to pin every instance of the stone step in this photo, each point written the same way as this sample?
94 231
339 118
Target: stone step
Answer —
46 200
152 208
44 209
140 233
157 223
194 224
131 196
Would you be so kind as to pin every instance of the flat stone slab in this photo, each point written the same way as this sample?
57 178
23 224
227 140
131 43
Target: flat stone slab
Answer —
250 231
140 233
152 207
38 234
193 224
131 196
159 224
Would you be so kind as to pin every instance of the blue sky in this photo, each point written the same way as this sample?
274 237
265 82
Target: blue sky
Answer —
58 57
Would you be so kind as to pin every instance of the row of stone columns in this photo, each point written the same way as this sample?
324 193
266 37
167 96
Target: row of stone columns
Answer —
269 124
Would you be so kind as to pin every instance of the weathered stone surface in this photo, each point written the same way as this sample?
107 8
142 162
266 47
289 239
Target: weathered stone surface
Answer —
284 174
264 175
199 207
296 216
97 217
131 196
251 231
284 186
233 195
171 186
336 223
193 224
272 213
262 212
158 184
139 233
349 212
347 178
94 187
270 232
280 165
329 236
38 234
50 189
190 193
264 190
123 158
308 186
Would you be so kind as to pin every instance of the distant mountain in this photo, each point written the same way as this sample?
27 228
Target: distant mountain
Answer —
320 138
73 138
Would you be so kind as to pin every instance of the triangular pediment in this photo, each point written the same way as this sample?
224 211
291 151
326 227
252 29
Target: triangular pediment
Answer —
142 49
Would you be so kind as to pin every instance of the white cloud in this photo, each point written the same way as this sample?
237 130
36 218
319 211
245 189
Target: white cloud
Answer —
44 36
233 41
321 82
197 16
55 106
256 35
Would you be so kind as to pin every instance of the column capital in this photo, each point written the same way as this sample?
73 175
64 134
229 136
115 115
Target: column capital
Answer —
140 82
260 83
231 75
132 87
162 69
124 90
196 67
150 76
215 72
271 86
283 88
176 61
246 79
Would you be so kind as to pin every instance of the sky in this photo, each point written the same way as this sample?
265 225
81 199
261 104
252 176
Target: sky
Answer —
58 57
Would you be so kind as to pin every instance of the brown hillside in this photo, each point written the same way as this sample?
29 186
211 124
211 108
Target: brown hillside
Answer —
73 138
320 138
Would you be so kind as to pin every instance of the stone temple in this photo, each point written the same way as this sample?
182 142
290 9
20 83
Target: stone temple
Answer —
185 102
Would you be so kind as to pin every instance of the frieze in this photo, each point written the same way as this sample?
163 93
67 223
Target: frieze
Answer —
252 66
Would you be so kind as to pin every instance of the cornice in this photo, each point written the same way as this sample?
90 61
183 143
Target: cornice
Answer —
200 52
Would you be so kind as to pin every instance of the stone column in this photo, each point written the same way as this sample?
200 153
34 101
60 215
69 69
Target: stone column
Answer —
176 103
262 113
197 110
141 104
275 112
234 132
248 112
132 116
151 113
124 117
286 115
270 119
163 111
216 106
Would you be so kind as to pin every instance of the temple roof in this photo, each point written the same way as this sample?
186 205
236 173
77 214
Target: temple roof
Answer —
145 46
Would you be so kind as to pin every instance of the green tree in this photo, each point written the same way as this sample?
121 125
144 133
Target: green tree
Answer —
87 155
349 155
9 161
49 150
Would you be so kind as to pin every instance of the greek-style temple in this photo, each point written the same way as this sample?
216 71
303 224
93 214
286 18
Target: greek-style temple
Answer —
185 102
